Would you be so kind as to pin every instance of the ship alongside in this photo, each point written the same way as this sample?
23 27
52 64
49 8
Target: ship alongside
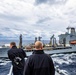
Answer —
67 44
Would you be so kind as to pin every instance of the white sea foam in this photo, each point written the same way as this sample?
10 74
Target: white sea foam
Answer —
3 62
55 55
63 72
63 60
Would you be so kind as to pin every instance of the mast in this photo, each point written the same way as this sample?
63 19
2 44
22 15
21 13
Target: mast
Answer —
39 38
35 39
20 41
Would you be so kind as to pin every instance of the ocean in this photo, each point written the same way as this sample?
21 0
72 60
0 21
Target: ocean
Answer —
65 64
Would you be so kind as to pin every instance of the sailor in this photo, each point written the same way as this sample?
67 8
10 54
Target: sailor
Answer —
39 63
17 57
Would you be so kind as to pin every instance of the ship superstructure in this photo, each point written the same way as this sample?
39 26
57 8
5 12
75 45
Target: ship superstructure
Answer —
68 37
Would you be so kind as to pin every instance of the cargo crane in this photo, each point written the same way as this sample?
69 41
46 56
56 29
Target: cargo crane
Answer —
53 41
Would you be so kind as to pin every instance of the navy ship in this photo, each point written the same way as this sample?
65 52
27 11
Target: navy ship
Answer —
67 44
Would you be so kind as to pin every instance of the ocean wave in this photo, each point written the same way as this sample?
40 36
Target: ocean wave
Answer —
5 67
4 62
65 64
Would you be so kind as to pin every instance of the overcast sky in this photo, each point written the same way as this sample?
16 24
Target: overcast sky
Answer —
34 18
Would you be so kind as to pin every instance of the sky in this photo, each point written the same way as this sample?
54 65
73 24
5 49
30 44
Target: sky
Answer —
33 18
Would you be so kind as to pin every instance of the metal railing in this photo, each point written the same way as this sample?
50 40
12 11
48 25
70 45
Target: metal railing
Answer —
10 72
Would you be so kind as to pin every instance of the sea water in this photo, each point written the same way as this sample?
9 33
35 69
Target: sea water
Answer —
65 64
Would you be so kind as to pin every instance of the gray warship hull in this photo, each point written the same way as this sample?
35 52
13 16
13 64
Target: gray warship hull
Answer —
3 51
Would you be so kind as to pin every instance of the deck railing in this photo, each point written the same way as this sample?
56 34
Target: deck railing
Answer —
10 72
